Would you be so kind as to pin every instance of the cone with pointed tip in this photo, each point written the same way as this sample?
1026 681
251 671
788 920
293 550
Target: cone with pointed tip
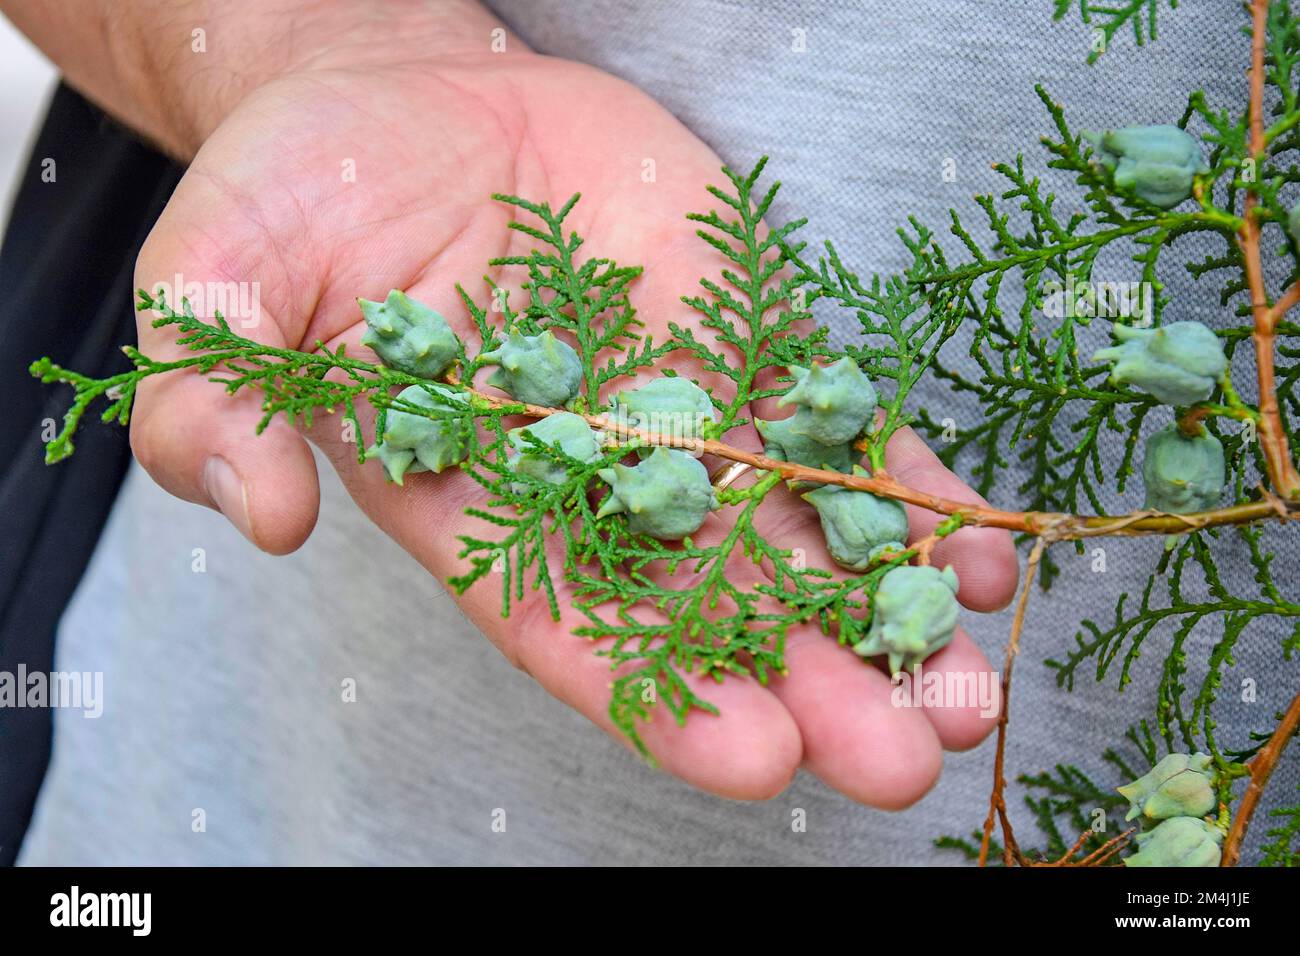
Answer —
571 432
395 461
914 614
1158 163
783 441
674 407
666 496
835 402
857 524
1183 475
412 443
1179 363
408 335
536 369
1179 841
1180 785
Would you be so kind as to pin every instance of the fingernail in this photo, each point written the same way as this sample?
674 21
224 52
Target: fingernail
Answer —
227 493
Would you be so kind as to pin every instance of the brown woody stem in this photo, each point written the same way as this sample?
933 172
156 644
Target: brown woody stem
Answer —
998 800
1261 768
1059 526
1282 473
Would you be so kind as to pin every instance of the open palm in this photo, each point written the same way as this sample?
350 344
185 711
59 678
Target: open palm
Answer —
328 184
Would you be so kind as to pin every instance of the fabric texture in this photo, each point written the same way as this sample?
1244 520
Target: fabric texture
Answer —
224 686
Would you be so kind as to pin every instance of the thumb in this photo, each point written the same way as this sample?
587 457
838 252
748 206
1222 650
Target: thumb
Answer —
199 442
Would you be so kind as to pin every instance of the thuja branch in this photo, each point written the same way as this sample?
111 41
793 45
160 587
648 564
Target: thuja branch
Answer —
1261 768
1058 526
547 478
1272 437
294 383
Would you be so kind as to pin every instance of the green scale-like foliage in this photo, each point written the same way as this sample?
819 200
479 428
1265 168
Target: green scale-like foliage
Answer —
1046 408
617 519
977 309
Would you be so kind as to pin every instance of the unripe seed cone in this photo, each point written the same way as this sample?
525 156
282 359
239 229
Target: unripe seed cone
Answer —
571 432
408 335
412 443
784 440
858 525
666 496
1180 785
674 407
536 369
914 614
1179 364
1158 163
1179 841
1183 475
835 402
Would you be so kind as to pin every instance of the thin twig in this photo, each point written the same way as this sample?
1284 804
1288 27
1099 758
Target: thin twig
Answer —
1066 858
1107 849
1096 858
1272 436
997 801
1282 306
1063 527
1261 768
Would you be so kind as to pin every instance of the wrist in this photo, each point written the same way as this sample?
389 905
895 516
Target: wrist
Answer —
174 70
246 50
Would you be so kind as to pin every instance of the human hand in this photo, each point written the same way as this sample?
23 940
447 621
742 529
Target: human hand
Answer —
433 121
